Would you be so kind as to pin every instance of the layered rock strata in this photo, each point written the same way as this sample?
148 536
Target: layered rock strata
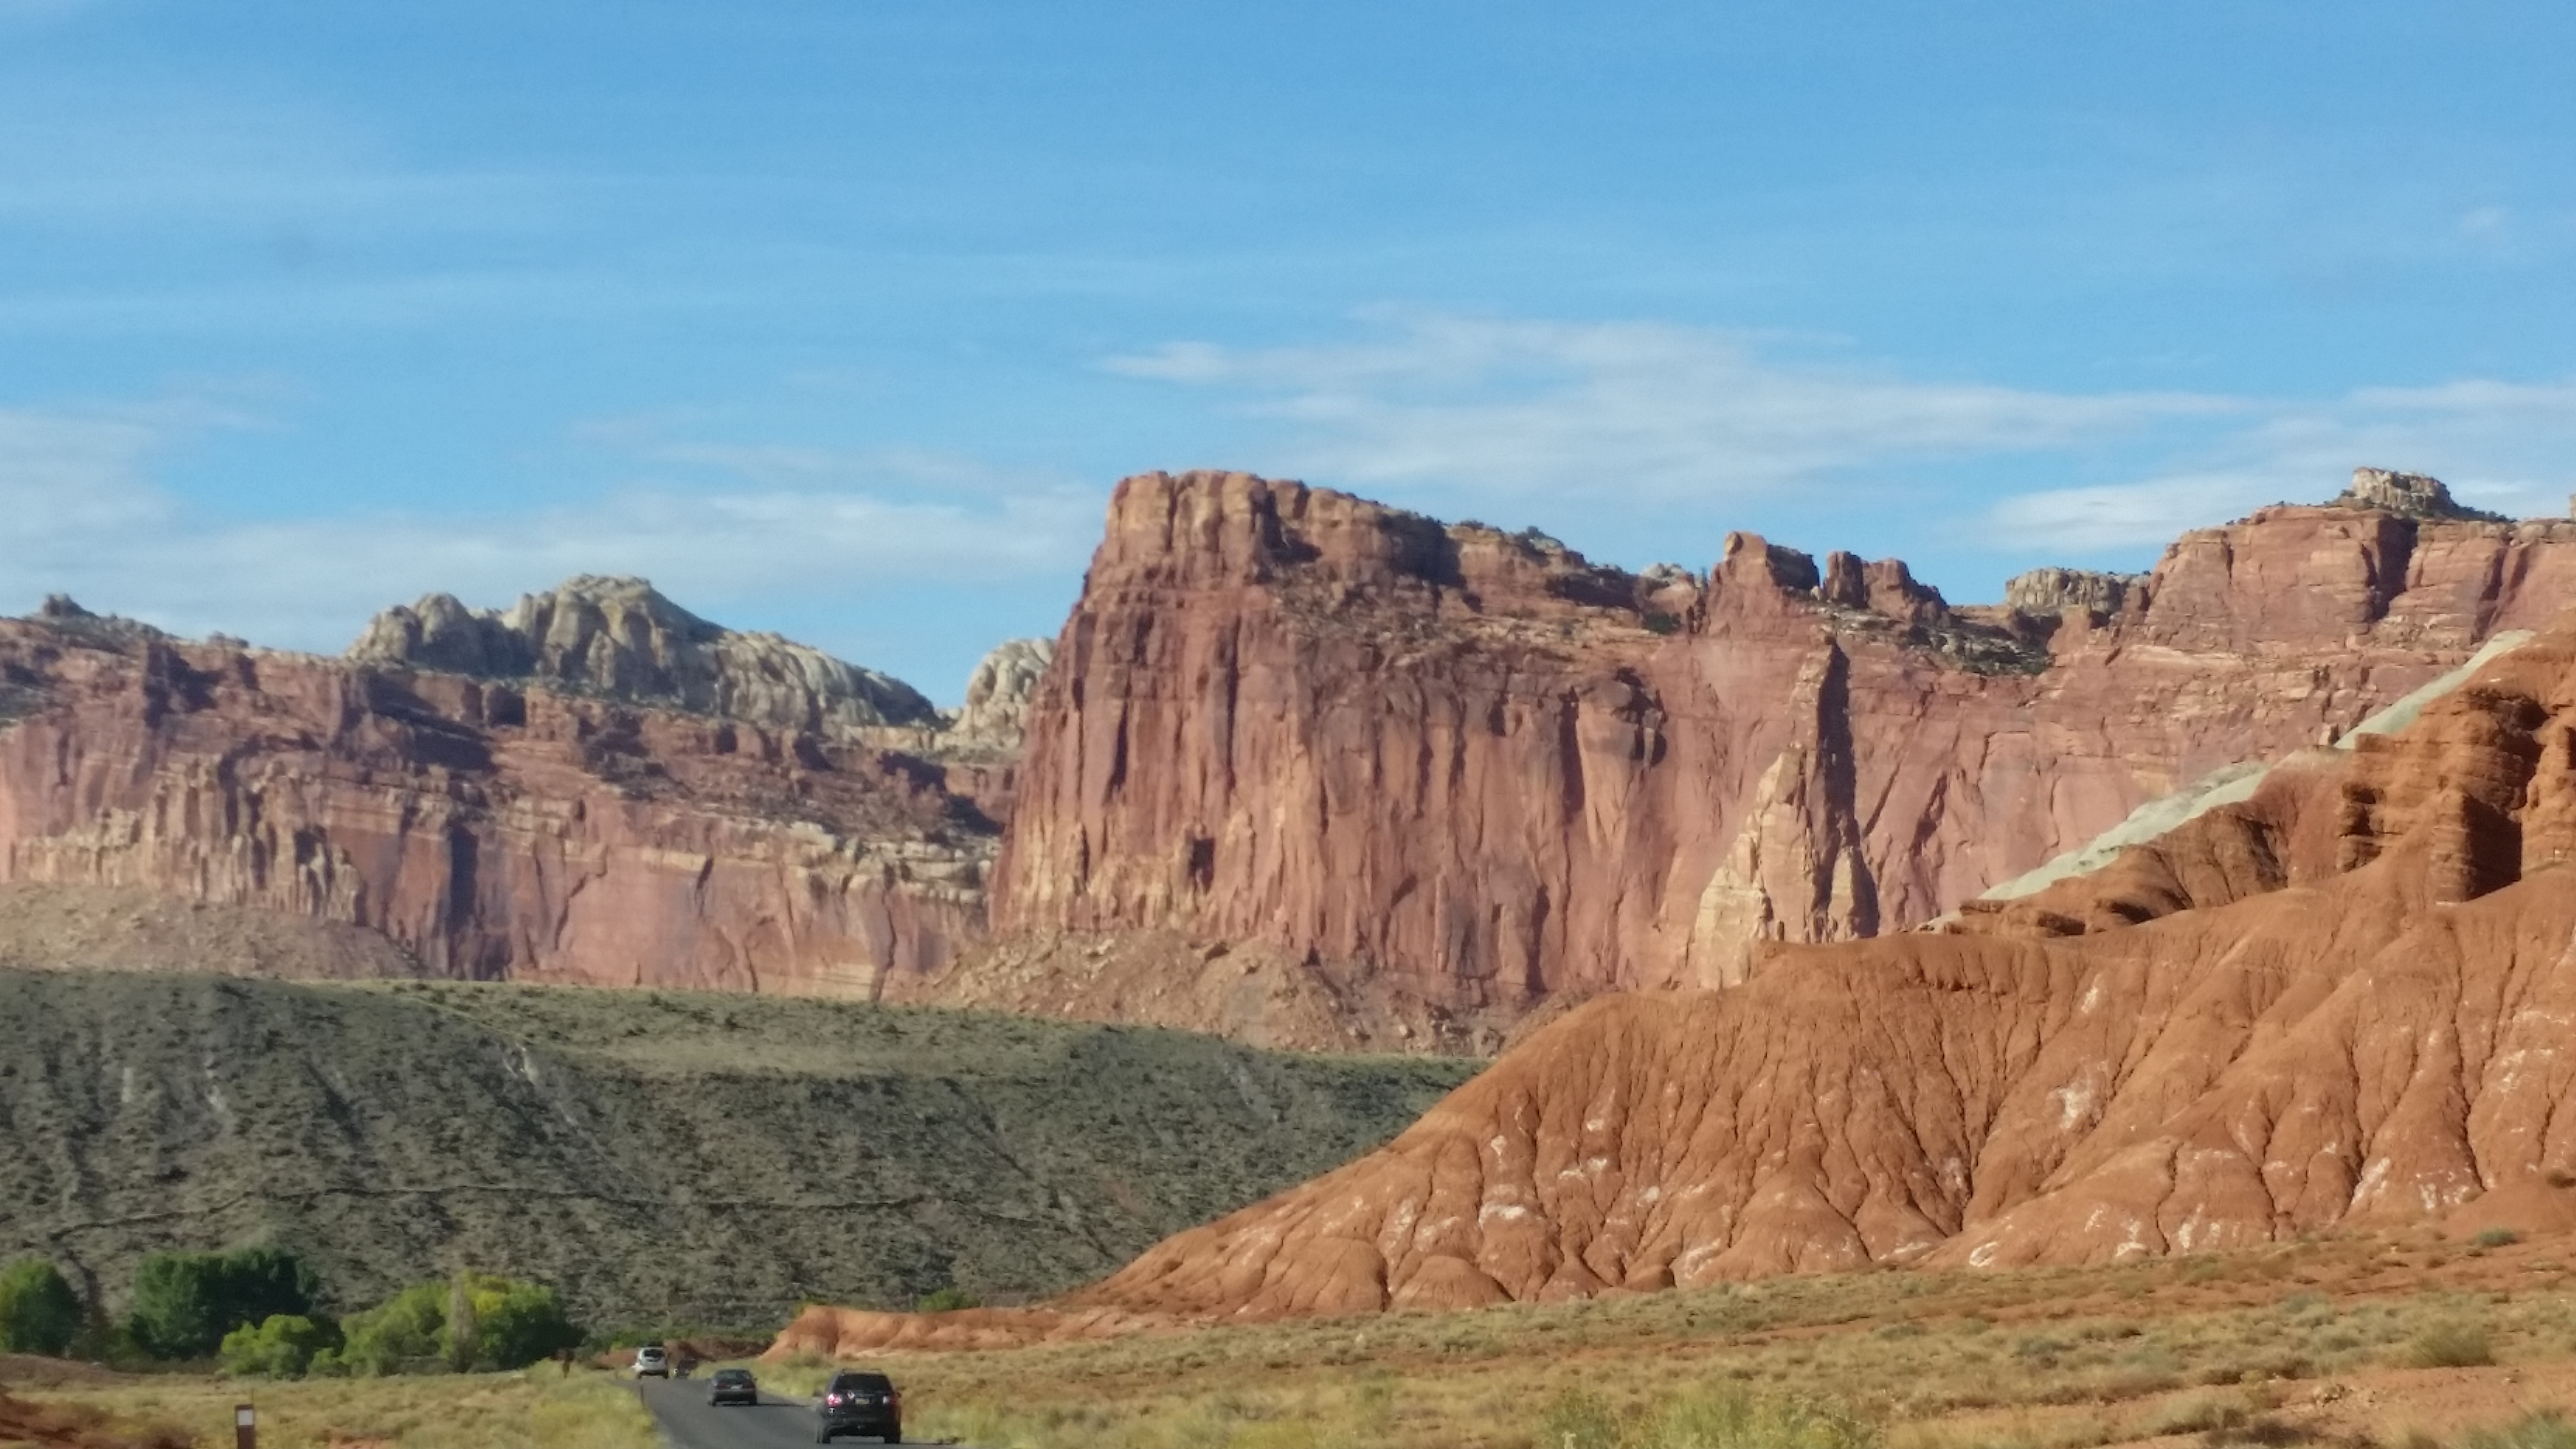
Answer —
2340 1001
487 829
1472 771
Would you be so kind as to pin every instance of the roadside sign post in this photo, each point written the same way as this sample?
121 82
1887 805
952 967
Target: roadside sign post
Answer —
245 1427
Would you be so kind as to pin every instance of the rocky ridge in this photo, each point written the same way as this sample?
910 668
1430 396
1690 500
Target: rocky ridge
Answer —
1455 776
2339 1001
620 638
487 829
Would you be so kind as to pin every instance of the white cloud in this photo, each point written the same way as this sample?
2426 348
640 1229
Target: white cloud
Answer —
2117 516
84 516
1624 409
1625 420
2509 447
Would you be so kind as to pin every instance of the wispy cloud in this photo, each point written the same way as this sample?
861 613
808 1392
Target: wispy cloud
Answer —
1630 418
705 521
1625 408
2510 447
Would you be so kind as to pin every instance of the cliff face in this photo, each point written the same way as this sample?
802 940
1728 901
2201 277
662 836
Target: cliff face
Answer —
490 830
1469 770
2340 1001
619 638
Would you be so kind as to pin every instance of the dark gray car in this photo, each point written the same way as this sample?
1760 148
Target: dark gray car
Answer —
733 1386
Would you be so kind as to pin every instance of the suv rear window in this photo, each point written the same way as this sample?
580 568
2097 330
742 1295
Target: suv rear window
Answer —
862 1383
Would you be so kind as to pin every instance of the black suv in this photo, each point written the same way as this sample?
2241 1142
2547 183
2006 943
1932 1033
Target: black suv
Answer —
859 1403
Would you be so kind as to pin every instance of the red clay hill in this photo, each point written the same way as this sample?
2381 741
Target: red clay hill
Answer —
2342 1001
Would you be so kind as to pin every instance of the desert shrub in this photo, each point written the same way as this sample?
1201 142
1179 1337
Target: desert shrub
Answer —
1578 1420
2548 1429
947 1300
184 1303
1659 622
2040 1351
2197 1414
1733 1419
2496 1238
2451 1345
39 1312
281 1347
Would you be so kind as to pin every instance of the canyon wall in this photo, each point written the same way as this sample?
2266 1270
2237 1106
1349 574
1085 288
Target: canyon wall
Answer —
1470 773
490 830
2339 1002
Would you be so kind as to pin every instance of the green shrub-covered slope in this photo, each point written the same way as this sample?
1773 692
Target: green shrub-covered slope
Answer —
661 1158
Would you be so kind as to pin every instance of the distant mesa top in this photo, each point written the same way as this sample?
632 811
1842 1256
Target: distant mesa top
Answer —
621 638
2408 495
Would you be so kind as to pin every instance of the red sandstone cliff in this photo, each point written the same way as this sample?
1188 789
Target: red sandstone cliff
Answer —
2342 1001
1311 769
493 831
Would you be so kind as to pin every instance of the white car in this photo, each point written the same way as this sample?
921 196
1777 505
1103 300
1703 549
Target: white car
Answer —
652 1361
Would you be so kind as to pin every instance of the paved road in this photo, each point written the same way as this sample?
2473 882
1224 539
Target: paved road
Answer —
690 1422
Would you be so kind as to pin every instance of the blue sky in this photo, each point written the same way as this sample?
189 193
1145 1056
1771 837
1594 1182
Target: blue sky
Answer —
841 318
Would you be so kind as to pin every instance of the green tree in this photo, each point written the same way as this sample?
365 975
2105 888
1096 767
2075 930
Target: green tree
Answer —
184 1303
280 1348
464 1345
39 1312
506 1325
521 1324
402 1333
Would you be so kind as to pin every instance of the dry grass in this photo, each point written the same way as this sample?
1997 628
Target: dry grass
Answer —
532 1410
2196 1352
2050 1358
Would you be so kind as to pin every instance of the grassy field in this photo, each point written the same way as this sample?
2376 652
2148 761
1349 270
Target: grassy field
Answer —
532 1410
2407 1342
2397 1342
